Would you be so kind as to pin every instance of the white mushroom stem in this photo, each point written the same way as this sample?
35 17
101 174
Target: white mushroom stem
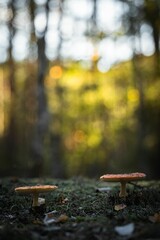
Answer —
35 200
123 192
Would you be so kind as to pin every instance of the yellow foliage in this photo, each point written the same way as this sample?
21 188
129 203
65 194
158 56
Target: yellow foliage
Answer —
133 95
90 109
50 82
79 136
108 95
90 98
73 81
93 139
153 92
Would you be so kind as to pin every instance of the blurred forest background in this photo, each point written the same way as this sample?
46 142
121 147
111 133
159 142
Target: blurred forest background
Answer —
79 87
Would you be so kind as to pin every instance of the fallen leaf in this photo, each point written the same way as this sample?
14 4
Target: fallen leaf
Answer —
62 218
125 230
119 207
155 218
37 221
49 218
65 200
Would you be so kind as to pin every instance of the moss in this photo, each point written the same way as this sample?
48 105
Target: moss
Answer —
90 212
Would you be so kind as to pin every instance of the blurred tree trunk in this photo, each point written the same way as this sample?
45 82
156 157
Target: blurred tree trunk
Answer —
61 6
152 16
94 14
58 167
38 145
11 132
141 127
56 145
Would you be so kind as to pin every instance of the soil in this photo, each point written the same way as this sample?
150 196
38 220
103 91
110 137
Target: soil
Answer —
80 209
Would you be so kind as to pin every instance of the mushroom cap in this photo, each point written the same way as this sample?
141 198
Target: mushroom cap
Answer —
126 177
36 189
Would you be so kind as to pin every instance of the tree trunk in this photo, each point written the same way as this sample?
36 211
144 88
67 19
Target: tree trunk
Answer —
11 132
38 145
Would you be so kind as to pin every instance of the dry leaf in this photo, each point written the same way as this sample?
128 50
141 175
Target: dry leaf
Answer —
155 218
63 200
119 207
49 218
62 218
37 221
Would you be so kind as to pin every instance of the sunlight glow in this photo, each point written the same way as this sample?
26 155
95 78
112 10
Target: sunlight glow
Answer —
56 72
67 37
80 9
40 22
81 49
4 36
3 54
147 44
123 49
21 40
108 15
103 65
107 50
5 15
40 2
67 27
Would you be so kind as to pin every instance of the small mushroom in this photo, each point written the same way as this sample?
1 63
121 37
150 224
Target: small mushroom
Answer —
123 179
35 190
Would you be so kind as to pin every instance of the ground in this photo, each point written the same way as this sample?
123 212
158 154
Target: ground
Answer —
80 209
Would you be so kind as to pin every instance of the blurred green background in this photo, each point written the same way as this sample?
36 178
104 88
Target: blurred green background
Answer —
79 87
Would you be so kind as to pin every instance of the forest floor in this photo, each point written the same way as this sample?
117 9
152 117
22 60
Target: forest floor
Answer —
80 209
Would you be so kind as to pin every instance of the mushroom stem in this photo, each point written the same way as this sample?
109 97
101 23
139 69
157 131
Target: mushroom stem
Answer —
123 192
35 200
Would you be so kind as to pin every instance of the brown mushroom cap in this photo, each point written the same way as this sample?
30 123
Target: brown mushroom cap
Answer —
123 177
36 189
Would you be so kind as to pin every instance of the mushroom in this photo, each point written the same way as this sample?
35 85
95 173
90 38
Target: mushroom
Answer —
35 190
123 179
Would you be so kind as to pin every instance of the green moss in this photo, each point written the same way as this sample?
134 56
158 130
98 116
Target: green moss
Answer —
87 208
